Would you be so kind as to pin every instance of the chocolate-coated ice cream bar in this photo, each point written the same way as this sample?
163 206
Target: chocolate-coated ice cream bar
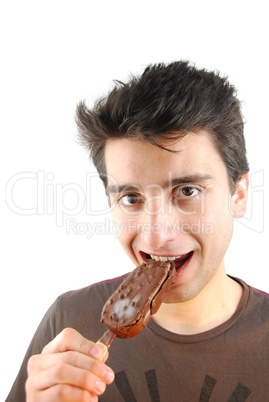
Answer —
127 312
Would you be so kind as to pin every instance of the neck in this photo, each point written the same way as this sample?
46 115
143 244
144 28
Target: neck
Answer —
211 307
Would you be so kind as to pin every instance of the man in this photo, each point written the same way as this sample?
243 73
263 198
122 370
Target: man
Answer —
170 149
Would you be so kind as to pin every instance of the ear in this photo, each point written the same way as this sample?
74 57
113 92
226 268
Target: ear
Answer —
239 198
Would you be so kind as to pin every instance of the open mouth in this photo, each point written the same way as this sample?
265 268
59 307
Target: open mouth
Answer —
178 260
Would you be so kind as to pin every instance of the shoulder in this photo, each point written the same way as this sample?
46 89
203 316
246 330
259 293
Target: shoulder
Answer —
88 298
258 299
261 294
251 290
254 293
101 290
98 293
255 303
81 308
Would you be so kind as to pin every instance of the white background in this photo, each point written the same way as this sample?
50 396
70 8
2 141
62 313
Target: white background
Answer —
55 53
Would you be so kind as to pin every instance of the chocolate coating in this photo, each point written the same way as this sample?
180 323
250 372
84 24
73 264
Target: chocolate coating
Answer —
128 310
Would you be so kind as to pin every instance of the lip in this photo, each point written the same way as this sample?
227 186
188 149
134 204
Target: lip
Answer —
179 262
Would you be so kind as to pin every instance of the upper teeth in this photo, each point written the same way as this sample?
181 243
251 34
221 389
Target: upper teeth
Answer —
155 257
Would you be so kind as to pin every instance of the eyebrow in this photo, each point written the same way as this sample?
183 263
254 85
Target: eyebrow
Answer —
191 179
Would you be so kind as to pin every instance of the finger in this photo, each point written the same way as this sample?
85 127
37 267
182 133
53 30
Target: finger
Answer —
43 362
65 374
99 351
70 339
60 393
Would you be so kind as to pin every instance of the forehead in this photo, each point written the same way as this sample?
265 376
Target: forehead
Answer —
133 161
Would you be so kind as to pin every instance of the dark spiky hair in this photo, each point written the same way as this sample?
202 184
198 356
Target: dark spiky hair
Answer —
163 104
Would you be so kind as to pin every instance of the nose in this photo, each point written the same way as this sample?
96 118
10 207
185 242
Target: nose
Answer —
158 228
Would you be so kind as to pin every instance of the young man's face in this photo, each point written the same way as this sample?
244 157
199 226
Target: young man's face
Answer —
174 205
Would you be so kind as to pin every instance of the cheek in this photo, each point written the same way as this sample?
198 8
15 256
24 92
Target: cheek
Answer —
213 217
125 237
126 226
220 219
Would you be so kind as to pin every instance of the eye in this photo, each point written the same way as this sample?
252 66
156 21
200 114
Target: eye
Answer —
189 191
189 199
186 192
130 199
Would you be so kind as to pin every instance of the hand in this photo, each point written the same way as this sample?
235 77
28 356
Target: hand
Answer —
70 368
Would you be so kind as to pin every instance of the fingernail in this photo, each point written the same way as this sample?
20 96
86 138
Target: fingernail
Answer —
100 386
98 351
109 376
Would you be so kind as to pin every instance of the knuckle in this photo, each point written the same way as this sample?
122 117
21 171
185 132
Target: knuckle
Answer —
59 391
29 385
32 363
85 346
62 392
96 366
67 333
69 357
102 371
59 372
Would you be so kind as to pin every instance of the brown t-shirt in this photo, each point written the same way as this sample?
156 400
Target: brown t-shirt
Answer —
229 363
